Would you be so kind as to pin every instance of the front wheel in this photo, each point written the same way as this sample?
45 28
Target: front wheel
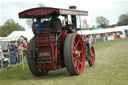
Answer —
91 59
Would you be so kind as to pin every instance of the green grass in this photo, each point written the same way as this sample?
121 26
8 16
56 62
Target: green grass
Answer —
111 68
106 44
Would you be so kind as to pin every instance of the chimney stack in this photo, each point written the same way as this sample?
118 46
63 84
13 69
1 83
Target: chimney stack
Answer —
72 7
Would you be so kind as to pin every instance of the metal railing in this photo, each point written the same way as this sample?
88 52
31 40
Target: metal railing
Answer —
6 65
102 39
92 41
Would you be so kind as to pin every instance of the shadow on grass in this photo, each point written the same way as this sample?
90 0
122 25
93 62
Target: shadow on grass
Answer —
17 73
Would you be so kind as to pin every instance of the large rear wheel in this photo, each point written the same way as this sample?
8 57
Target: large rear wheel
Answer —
74 54
31 57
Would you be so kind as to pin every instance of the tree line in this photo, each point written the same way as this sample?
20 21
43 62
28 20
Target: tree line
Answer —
9 26
104 22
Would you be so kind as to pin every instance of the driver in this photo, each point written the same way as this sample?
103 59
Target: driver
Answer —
38 25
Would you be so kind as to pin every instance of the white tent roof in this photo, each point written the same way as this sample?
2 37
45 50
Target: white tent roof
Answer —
15 35
108 30
124 27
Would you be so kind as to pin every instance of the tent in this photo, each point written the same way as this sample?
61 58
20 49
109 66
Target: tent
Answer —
15 35
97 28
108 30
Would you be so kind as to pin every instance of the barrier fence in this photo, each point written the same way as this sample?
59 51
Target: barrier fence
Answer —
23 60
100 39
5 62
96 40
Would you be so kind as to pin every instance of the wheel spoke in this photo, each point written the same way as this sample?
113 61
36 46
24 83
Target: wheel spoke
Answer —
74 52
78 69
74 43
92 54
77 43
80 51
74 48
74 59
80 62
75 62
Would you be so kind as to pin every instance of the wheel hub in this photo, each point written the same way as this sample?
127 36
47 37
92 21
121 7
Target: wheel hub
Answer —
77 54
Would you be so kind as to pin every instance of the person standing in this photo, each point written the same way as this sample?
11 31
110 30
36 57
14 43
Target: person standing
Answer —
115 36
20 53
1 57
13 50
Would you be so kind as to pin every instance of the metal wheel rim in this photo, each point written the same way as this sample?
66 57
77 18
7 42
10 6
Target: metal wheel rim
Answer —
78 54
92 55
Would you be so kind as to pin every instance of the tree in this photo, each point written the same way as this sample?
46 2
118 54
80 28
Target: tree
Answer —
9 26
119 23
123 19
101 21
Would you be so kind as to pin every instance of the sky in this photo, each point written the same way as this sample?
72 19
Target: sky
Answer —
110 9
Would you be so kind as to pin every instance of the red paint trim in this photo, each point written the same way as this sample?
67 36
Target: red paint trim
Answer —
38 11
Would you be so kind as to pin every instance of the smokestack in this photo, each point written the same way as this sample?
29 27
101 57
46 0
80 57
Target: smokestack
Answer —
72 7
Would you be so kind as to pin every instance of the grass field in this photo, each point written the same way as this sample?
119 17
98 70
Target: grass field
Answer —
111 68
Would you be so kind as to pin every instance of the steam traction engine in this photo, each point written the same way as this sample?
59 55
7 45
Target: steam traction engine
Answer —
50 50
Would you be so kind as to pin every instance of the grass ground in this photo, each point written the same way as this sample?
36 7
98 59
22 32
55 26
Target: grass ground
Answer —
111 68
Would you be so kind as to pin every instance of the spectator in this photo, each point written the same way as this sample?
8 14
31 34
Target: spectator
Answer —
24 48
13 50
1 57
20 53
118 35
115 36
24 45
1 53
16 49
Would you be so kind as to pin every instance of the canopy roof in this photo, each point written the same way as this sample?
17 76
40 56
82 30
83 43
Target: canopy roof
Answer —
108 30
15 35
97 28
46 11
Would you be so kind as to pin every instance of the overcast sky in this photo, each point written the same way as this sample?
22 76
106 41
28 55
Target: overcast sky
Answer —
111 9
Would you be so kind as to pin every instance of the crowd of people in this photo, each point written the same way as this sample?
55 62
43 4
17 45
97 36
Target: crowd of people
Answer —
96 38
16 52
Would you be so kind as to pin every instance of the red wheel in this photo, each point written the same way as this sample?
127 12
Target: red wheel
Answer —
91 60
92 55
74 54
